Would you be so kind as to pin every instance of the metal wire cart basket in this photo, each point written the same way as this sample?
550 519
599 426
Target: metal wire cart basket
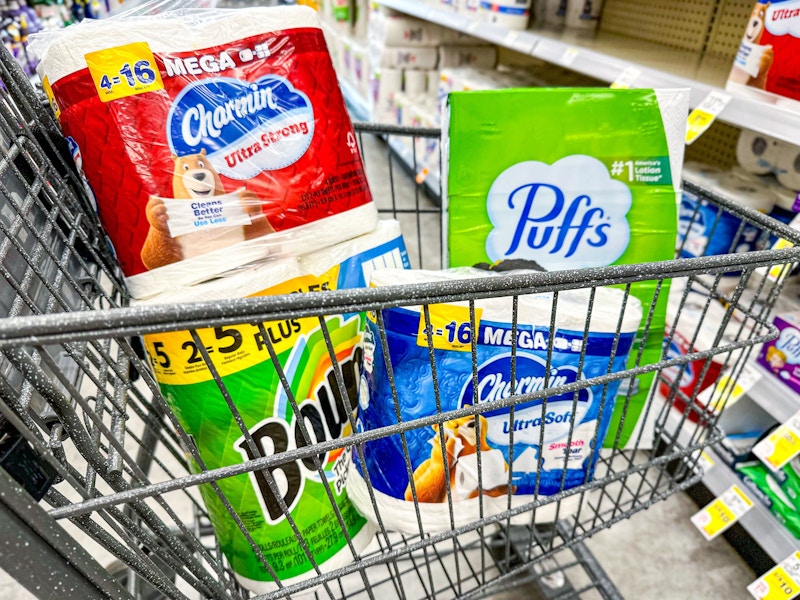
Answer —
99 490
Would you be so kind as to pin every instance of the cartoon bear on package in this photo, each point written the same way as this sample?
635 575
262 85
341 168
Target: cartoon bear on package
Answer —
461 446
194 178
752 52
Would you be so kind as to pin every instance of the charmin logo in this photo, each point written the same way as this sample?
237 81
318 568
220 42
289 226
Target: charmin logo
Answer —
570 214
494 383
244 127
789 344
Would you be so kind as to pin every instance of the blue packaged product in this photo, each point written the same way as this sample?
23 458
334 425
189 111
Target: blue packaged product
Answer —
706 230
546 448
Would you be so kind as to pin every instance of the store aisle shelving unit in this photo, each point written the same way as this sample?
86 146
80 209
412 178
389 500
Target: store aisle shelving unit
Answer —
605 56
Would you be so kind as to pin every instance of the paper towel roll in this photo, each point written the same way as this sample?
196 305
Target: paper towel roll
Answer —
409 57
415 82
413 383
212 131
756 152
583 14
480 57
787 166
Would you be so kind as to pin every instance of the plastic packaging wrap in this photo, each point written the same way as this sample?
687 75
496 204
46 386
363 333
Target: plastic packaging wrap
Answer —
413 377
210 138
244 364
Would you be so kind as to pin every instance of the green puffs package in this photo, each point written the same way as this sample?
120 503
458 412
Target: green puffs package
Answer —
568 179
241 356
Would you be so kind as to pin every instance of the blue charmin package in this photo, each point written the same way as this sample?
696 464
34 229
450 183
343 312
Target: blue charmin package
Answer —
536 442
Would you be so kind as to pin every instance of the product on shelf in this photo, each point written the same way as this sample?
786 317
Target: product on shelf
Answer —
573 434
696 320
761 154
599 190
770 492
706 229
583 14
768 57
210 142
513 14
479 57
242 359
781 357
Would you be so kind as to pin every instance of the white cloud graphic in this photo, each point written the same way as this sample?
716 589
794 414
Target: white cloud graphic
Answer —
789 344
781 19
567 215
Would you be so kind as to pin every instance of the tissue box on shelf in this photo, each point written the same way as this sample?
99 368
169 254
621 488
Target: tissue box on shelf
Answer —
781 357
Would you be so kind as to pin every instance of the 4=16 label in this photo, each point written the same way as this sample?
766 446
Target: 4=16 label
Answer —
124 71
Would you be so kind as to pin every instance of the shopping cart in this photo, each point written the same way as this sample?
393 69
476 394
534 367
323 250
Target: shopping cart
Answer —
98 497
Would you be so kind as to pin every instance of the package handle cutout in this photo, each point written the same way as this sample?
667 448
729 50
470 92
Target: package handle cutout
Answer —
722 512
781 582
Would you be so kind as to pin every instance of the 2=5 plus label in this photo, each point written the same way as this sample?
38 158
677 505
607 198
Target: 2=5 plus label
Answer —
124 71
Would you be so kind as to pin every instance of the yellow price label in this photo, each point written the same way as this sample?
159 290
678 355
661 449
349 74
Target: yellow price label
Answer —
450 327
780 582
722 512
124 71
781 446
48 91
705 113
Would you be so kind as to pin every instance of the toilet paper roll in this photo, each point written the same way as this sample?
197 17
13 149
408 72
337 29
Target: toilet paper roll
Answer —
384 85
701 174
407 31
505 16
554 12
787 166
255 171
246 370
480 57
756 152
583 14
415 82
432 84
409 57
412 385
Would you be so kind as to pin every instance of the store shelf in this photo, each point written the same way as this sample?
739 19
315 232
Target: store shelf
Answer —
758 522
605 56
355 102
359 110
774 397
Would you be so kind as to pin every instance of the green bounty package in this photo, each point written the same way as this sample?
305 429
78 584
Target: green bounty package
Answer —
568 179
241 356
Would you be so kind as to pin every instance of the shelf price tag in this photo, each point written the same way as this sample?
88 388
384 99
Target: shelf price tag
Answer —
124 71
782 581
450 327
626 79
722 512
780 446
569 56
473 26
704 461
729 389
705 114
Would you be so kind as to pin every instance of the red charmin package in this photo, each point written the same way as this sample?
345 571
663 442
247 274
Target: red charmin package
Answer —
768 58
209 142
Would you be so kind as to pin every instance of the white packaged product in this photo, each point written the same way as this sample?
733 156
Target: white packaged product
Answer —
409 57
479 57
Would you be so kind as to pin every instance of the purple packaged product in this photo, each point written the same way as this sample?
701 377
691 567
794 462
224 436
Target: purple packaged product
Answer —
782 356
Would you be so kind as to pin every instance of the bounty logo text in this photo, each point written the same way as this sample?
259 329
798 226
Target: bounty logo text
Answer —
570 214
244 127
